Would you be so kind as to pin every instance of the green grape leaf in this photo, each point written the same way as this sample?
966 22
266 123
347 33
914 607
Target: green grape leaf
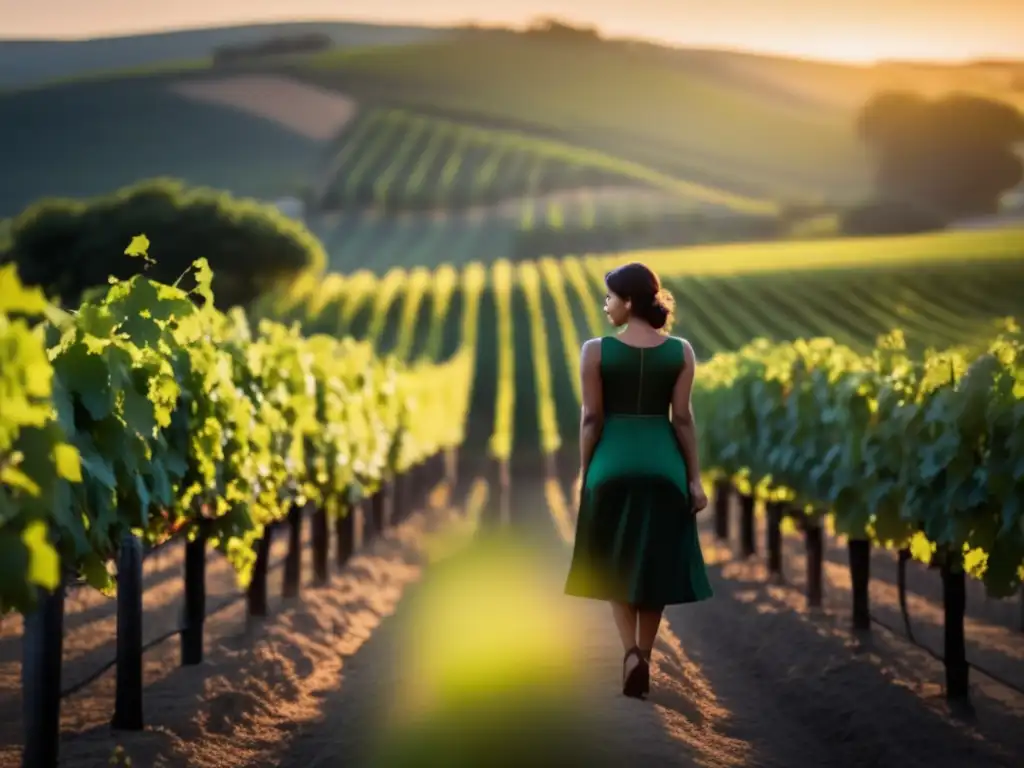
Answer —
139 248
204 280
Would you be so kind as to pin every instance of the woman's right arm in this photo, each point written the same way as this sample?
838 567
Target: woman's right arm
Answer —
592 412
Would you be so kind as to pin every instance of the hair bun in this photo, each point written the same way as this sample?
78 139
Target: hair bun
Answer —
659 312
637 284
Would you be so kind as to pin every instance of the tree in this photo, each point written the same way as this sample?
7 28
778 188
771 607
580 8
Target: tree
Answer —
69 246
560 30
949 157
278 45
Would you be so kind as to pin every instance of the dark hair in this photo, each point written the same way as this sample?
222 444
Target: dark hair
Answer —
639 285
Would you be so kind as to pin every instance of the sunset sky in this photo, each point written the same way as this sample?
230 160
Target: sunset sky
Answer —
834 29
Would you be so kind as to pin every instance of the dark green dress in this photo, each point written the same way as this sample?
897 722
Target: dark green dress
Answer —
636 536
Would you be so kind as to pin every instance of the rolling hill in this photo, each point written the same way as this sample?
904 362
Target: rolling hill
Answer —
755 125
490 132
632 103
260 137
33 62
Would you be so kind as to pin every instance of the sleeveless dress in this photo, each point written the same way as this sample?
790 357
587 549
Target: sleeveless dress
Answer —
636 536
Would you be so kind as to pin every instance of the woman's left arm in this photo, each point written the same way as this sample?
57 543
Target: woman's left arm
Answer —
683 423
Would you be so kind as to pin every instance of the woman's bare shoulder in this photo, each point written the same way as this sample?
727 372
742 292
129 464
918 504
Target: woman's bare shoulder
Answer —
687 347
591 348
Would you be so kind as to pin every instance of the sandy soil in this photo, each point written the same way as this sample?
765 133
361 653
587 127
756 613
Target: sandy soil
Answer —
315 113
258 679
875 696
995 640
410 657
749 678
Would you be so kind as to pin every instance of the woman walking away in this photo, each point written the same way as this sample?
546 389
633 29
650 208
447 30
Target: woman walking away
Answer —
636 534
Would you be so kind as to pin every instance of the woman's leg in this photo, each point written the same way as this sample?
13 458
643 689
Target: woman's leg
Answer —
625 622
648 621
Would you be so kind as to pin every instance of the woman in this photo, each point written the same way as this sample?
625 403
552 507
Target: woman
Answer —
636 535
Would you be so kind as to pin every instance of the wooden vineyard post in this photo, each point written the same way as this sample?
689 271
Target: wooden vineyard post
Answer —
451 466
954 602
901 589
405 494
293 560
400 486
748 545
128 691
381 506
194 612
345 534
257 593
860 577
42 652
439 473
376 513
432 474
409 500
388 508
723 492
813 543
504 494
773 539
321 545
426 478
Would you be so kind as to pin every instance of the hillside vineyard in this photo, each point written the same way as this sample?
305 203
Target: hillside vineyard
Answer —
521 325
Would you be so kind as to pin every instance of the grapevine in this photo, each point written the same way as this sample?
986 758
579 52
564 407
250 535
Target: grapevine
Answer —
152 412
905 450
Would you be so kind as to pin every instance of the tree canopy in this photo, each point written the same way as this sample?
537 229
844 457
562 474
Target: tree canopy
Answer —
951 157
68 246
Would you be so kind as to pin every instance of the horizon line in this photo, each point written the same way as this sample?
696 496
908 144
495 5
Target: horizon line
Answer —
978 59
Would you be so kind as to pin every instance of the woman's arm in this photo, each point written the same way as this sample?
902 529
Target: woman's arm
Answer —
682 413
592 412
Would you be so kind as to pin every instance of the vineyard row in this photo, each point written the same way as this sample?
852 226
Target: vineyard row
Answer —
393 159
525 381
516 229
416 315
147 413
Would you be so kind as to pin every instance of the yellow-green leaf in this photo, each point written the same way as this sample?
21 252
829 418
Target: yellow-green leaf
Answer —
43 561
15 297
68 462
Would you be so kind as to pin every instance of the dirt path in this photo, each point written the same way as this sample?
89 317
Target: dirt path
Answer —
410 658
749 678
487 657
